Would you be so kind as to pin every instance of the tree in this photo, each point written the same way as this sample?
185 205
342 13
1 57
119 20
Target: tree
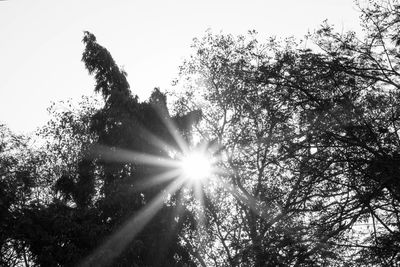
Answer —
256 216
311 142
91 191
305 147
351 89
40 226
18 187
128 125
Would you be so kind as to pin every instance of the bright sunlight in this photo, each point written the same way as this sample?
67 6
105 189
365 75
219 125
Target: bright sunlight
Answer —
196 166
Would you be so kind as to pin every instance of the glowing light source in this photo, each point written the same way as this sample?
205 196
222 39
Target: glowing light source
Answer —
196 166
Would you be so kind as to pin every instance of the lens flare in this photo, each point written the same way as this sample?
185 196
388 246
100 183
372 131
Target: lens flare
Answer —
196 166
184 168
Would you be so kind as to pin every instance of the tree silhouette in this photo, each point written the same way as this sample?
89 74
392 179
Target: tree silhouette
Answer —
92 193
310 141
304 147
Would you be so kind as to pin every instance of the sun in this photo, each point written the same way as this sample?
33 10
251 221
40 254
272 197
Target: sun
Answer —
196 165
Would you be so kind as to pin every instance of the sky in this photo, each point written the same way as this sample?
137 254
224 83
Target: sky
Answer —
41 48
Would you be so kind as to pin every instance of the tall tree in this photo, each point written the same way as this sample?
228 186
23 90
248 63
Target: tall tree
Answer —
310 141
126 124
98 185
257 216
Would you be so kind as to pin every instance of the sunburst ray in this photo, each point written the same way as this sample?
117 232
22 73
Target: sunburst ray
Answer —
113 154
118 241
157 179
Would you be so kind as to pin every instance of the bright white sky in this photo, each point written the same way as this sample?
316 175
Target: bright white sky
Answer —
41 48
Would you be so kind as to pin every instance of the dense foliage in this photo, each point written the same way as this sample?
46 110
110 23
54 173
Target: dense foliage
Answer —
305 145
310 144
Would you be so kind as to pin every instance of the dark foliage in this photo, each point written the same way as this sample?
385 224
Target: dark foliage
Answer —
306 143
